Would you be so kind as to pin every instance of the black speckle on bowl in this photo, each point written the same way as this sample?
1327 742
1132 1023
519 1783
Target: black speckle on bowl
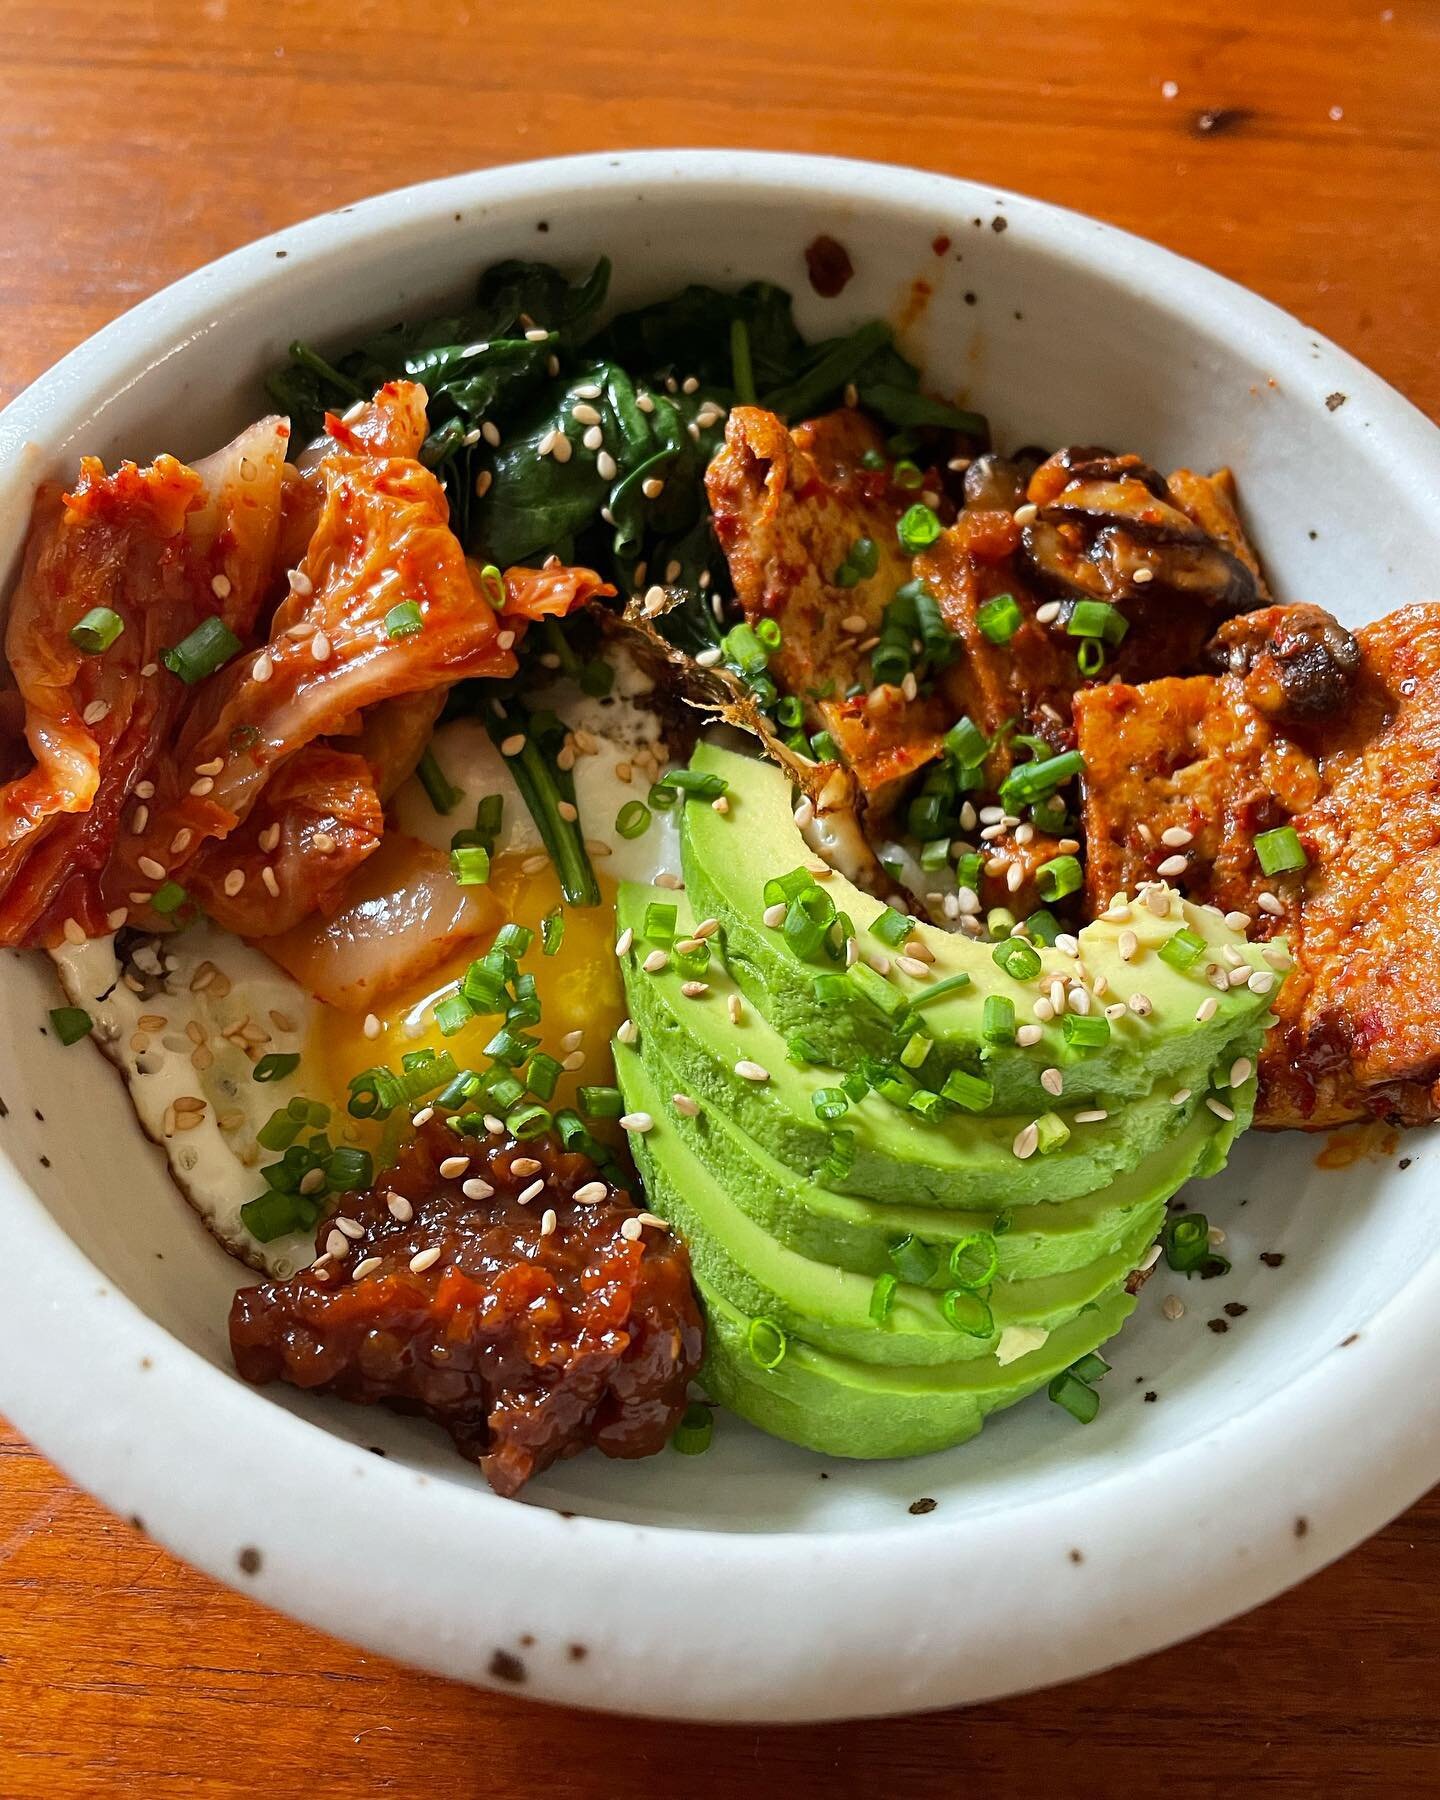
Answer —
1076 1556
923 1506
578 1652
1302 1526
506 1666
249 1560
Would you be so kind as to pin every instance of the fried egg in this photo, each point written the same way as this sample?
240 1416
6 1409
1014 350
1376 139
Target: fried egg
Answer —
189 1018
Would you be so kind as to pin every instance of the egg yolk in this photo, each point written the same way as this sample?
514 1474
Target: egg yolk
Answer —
578 987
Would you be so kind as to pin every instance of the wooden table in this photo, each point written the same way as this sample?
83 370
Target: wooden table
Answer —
1289 145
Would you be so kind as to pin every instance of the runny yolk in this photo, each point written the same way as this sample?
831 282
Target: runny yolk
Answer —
579 989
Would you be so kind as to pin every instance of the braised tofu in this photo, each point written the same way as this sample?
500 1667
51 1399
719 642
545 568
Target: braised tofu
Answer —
1359 1031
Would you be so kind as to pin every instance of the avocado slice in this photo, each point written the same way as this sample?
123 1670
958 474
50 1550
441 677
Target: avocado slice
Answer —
964 1160
737 1260
845 1408
729 857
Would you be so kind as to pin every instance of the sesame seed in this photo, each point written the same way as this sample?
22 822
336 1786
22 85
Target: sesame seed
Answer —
584 414
1053 1082
203 786
652 487
1141 1005
1026 1141
1028 1035
491 434
1027 514
1157 899
1261 981
366 1267
1276 955
655 962
562 449
685 1106
692 990
1173 1307
352 1228
774 916
482 483
590 1193
605 466
573 1060
533 1192
148 866
74 931
637 1121
1270 903
1043 1010
751 1071
1206 1010
423 1117
372 1026
234 881
271 881
400 1208
1174 865
736 1009
336 1244
1180 1096
630 1229
512 746
96 711
548 1222
537 334
1238 921
1069 945
114 920
1142 577
1117 1011
1232 957
269 838
1219 1108
1091 1117
1239 977
707 928
475 1189
454 1166
1048 613
424 1259
320 647
627 1031
1175 837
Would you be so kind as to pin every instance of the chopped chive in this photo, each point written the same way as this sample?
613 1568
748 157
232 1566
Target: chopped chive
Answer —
892 927
907 475
552 931
968 871
882 1297
1090 1367
914 1260
1182 948
207 648
830 1104
1019 960
997 1022
1097 619
492 586
542 1075
967 1312
453 1014
600 1102
695 784
1086 1031
937 990
972 1092
1090 657
974 1260
97 631
349 1171
464 1087
787 887
633 819
662 798
276 1066
999 619
168 898
917 1048
659 925
966 743
1281 850
832 990
1079 1400
404 620
1052 1132
1042 927
697 1426
926 1103
824 748
1186 1239
513 939
742 370
918 528
802 1050
279 1131
271 1216
443 796
470 865
1060 876
877 990
528 1122
71 1023
769 633
1033 781
766 1343
744 648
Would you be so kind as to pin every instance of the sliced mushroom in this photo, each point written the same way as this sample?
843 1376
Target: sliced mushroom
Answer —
1297 662
996 483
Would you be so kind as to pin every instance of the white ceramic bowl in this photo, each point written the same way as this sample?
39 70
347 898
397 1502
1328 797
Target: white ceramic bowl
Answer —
761 1582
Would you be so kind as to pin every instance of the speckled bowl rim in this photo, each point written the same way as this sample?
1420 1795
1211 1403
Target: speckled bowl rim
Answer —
690 1623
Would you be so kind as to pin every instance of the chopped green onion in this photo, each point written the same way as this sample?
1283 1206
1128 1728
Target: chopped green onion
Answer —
97 631
470 865
766 1343
873 986
872 459
483 987
997 1022
1090 1367
1035 780
966 743
967 1312
1000 922
1182 948
464 1087
659 925
999 619
695 784
968 871
1019 960
505 1089
279 1131
918 528
542 1075
276 1066
974 1260
168 898
404 620
769 633
882 1298
830 1104
927 1103
600 1102
787 887
271 1216
661 798
633 819
697 1426
914 1260
744 648
802 1050
1052 1132
349 1171
1060 876
1004 1219
908 475
1086 1031
443 796
208 647
916 1050
1187 1241
824 748
1090 658
71 1023
972 1092
1081 1402
453 1014
832 990
1281 850
513 939
1097 619
935 854
552 931
892 927
937 990
528 1122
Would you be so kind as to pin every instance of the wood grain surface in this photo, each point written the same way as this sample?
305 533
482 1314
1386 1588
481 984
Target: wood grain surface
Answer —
1290 145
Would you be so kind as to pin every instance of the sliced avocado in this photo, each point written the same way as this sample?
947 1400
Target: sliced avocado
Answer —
1036 1240
828 1307
962 1160
729 857
845 1408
